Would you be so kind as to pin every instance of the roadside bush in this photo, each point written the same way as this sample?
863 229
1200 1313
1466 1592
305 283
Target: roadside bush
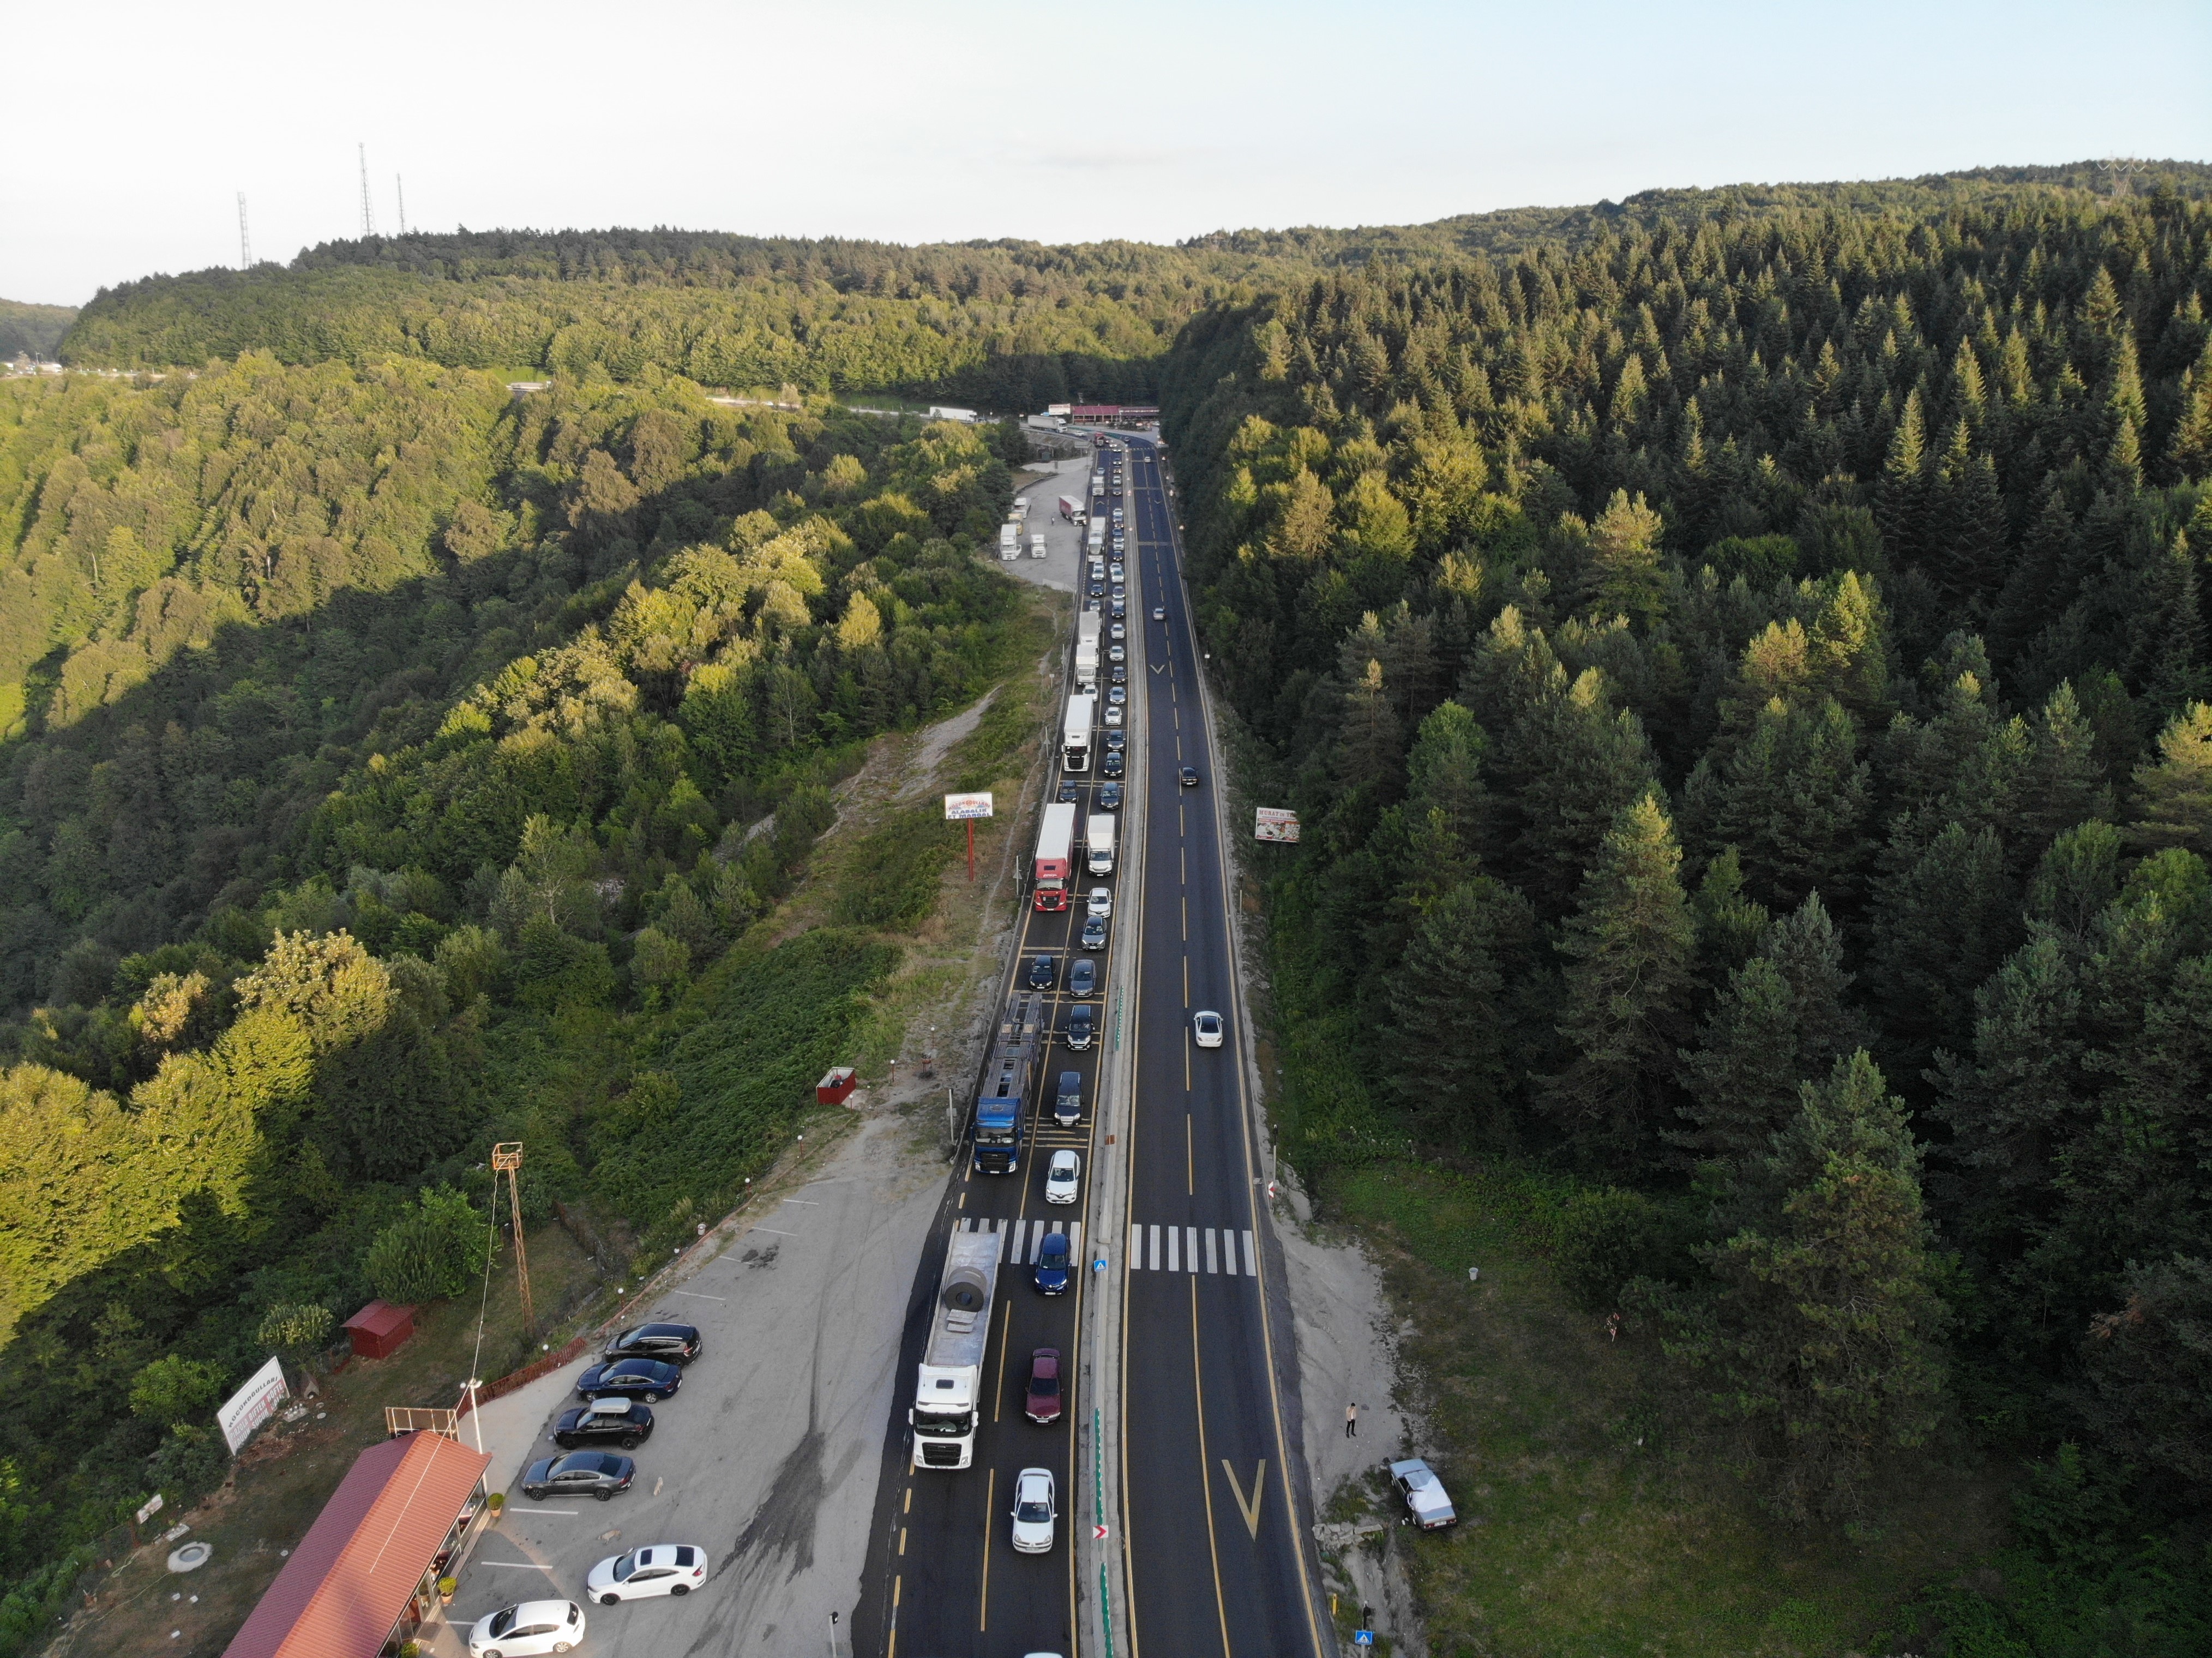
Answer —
295 1329
173 1387
437 1251
1607 1237
893 879
35 1600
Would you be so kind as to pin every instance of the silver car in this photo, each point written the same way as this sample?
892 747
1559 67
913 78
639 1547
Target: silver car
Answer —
1036 1511
1426 1505
1063 1179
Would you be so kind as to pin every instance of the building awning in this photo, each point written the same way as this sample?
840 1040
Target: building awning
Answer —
352 1575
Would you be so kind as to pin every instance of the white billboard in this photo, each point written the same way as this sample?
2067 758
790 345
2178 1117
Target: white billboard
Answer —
252 1404
958 807
1273 823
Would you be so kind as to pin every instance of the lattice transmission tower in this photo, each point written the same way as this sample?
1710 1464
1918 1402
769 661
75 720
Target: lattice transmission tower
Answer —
367 207
507 1160
245 241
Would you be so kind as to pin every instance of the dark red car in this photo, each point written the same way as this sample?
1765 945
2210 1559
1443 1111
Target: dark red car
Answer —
1042 1400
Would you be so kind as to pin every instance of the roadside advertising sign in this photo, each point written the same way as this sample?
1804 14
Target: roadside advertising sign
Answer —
252 1404
958 807
1275 824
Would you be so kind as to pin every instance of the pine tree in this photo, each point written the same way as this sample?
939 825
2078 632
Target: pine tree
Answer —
1451 1043
1940 926
1900 500
1624 545
1630 944
1826 1331
1730 927
1571 764
2190 452
1795 803
2065 784
2169 660
2174 794
1443 774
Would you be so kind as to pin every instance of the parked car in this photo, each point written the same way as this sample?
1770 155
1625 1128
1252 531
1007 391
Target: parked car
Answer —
1067 1099
610 1421
1063 1177
1426 1505
656 1568
1206 1028
1053 1265
1189 777
648 1379
1041 1399
1081 1026
1100 903
1081 977
672 1343
579 1473
1037 1508
525 1630
1043 972
1094 934
1109 797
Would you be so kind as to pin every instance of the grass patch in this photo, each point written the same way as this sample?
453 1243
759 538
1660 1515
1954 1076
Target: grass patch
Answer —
1594 1520
890 874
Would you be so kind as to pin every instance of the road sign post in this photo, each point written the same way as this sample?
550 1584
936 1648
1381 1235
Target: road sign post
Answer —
967 808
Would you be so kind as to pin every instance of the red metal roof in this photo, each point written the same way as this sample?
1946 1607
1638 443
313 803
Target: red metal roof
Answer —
352 1575
380 1318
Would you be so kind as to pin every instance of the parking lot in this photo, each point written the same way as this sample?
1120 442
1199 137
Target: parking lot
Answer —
768 1456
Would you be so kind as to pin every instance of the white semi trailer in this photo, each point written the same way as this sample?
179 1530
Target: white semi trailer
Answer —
948 1390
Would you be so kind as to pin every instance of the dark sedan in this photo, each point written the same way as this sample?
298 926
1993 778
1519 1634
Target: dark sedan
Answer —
1109 797
1041 1402
579 1473
648 1379
672 1343
616 1421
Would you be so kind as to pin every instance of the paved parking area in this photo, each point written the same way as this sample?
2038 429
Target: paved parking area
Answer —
768 1454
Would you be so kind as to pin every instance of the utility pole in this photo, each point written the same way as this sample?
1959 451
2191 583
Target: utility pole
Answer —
399 188
368 207
506 1159
245 241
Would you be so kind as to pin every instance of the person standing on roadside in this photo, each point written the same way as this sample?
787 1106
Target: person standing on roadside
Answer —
1352 1420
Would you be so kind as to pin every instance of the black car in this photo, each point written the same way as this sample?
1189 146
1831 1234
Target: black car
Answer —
613 1421
1189 776
1121 676
1066 789
1113 764
1109 797
1116 741
1081 1025
1081 978
1094 933
1067 1099
648 1379
579 1473
674 1344
1121 609
1098 590
1043 972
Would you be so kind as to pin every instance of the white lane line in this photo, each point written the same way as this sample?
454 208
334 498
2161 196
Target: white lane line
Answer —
696 1295
1250 1270
1174 1238
1209 1267
1156 1249
1191 1232
810 1202
518 1565
1136 1245
771 1228
567 1511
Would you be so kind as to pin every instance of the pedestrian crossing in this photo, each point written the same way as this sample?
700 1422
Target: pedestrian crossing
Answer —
1192 1249
1022 1241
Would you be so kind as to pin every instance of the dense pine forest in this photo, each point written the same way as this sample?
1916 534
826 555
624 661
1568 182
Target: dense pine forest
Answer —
1745 688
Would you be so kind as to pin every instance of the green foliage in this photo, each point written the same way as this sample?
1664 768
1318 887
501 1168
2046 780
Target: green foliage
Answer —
35 329
437 1250
173 1389
297 1330
892 880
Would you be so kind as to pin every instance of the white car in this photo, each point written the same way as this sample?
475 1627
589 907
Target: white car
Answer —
1102 903
1114 714
526 1629
1117 632
657 1568
1063 1177
1426 1505
1205 1027
1035 1511
1117 653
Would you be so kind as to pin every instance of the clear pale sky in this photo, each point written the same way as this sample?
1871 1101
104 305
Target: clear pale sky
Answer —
131 126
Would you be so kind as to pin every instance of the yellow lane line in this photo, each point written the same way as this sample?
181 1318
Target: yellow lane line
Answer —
1205 1473
990 1508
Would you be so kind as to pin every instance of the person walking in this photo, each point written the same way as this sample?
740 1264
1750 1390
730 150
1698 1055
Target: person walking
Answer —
1352 1420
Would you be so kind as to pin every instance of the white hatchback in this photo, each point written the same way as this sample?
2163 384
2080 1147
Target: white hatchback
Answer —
1063 1178
1035 1511
526 1629
1102 903
1205 1027
657 1568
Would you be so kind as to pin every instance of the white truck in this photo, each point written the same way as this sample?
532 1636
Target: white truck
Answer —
1094 538
1086 651
1037 546
1098 843
949 1388
1070 509
1021 512
1010 540
1075 739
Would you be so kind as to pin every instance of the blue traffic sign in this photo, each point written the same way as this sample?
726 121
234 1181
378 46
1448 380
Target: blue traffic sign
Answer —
1363 1637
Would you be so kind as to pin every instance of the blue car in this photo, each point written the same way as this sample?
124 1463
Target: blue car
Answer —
648 1379
1052 1265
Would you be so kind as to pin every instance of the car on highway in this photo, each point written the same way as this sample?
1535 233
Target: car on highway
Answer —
1119 608
1066 789
1041 1399
1037 1508
1063 1177
1094 935
1067 1099
613 1421
1116 695
1117 632
1081 1026
1098 590
1043 972
1118 592
1052 1265
1159 613
1109 797
526 1629
648 1379
1117 653
1188 777
672 1343
1116 741
1113 714
1206 1028
1427 1505
579 1473
1120 676
1114 763
1100 903
656 1568
1081 978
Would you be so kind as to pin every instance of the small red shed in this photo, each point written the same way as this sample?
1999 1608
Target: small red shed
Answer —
379 1329
836 1085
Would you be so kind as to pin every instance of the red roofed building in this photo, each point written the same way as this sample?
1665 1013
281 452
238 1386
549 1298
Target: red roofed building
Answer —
379 1329
365 1574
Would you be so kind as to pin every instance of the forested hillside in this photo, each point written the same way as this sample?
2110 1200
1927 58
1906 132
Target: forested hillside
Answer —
404 764
35 329
1744 685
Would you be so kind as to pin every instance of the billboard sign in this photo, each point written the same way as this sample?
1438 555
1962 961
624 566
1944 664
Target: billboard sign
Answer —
958 807
252 1404
1274 824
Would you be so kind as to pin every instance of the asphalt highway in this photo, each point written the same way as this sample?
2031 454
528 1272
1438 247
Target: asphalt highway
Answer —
1211 1523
